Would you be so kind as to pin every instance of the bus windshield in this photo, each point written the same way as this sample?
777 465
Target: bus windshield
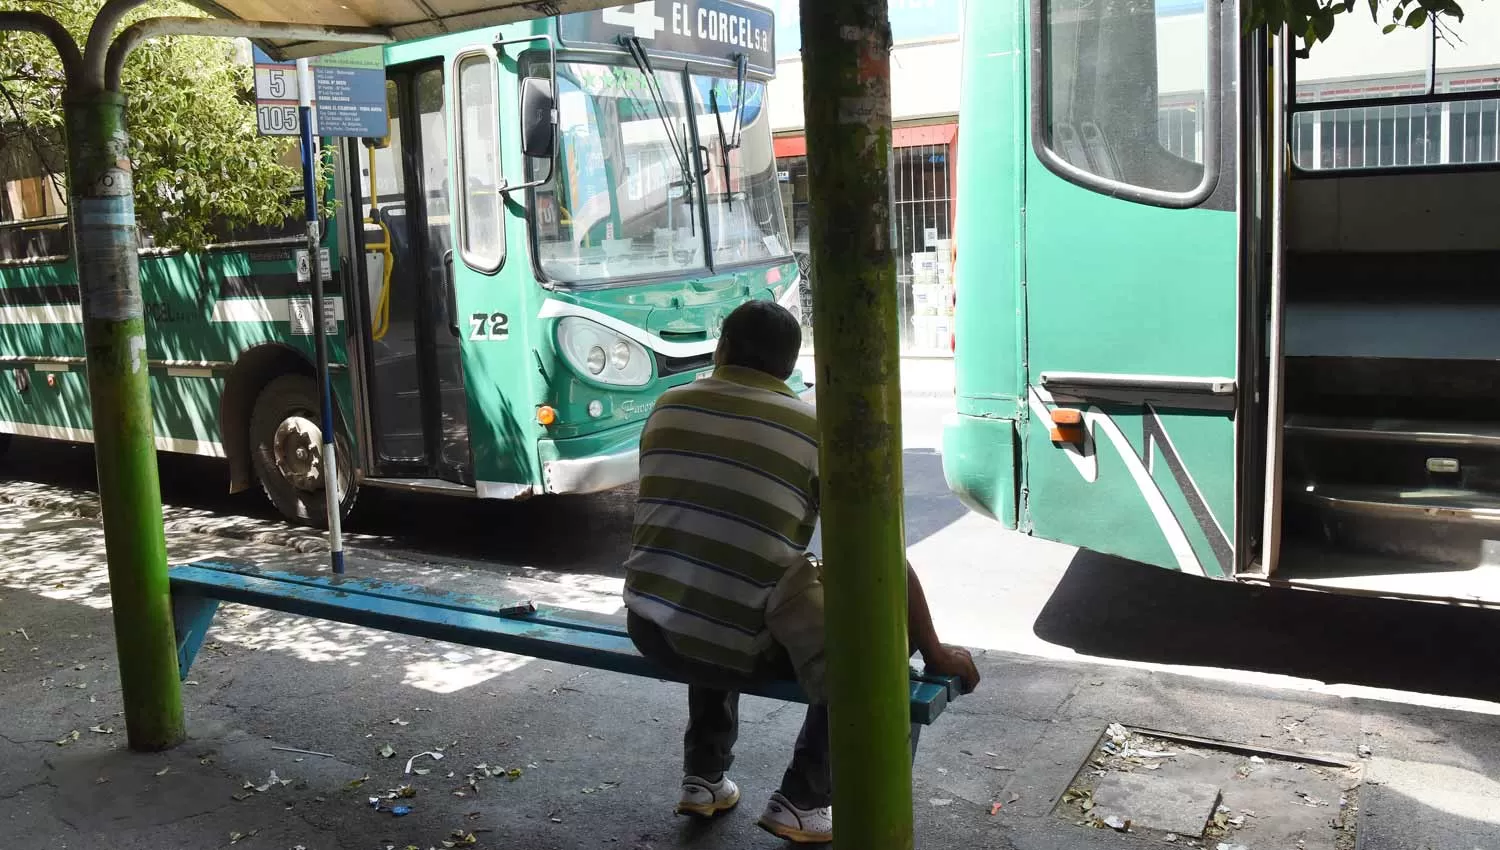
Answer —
621 205
745 220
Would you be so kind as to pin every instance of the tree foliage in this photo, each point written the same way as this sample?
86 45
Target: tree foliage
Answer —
1312 21
200 167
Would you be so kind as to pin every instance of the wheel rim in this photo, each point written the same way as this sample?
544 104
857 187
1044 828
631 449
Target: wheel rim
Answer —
297 449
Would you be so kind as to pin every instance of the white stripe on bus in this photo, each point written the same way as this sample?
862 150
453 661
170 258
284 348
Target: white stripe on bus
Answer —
202 448
1087 464
43 314
261 310
231 310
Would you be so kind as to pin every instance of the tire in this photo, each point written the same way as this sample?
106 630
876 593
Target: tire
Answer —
287 411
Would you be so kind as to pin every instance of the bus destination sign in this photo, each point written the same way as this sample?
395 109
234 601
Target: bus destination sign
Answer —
715 29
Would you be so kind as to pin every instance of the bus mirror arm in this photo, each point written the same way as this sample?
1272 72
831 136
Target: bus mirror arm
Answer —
450 292
538 113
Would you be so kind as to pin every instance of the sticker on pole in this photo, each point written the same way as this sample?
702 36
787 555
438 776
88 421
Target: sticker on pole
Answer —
300 316
304 270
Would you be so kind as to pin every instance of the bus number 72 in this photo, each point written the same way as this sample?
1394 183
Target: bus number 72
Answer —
489 326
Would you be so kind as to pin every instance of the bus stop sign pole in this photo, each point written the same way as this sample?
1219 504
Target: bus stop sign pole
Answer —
848 92
331 493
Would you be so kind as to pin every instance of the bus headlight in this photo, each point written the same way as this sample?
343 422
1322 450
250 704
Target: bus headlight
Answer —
600 354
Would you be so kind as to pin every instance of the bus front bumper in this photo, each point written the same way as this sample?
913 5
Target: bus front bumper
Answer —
592 474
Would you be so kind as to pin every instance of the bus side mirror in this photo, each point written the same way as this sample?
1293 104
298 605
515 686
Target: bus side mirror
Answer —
538 119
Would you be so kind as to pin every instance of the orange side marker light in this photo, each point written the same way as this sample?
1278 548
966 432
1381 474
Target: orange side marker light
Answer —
1067 426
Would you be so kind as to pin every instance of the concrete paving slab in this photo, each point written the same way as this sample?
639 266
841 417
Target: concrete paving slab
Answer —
1154 801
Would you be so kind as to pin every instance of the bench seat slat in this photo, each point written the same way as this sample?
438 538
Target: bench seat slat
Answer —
469 621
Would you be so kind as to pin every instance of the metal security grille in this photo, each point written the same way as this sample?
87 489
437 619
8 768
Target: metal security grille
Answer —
922 220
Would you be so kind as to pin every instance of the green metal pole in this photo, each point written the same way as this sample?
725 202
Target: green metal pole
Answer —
114 332
846 74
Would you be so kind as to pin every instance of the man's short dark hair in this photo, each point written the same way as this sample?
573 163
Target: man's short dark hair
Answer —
761 335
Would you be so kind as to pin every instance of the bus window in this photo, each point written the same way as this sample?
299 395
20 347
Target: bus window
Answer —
479 159
622 202
33 208
1344 120
1124 97
745 219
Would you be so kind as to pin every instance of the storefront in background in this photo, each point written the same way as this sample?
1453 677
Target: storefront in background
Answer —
923 162
925 72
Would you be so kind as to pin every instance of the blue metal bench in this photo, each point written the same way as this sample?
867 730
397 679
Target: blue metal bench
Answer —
521 629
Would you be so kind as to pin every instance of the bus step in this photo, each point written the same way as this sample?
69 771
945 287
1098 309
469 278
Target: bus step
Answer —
1456 526
1410 431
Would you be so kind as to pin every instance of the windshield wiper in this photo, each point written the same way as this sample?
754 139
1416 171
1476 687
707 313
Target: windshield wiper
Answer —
725 144
679 152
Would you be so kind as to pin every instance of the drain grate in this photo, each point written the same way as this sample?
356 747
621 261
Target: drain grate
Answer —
1197 792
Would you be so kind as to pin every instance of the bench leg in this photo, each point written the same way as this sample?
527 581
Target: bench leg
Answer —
191 617
916 737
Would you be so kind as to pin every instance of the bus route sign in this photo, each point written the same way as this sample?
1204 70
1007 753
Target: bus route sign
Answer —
348 94
714 29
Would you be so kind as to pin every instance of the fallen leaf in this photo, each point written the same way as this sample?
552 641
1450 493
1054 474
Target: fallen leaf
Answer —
387 751
102 730
237 837
1014 797
67 739
1117 823
422 771
355 783
399 722
163 771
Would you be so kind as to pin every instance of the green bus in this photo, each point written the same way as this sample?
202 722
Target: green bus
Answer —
548 237
1227 311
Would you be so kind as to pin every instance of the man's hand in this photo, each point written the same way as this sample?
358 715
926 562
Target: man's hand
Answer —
953 661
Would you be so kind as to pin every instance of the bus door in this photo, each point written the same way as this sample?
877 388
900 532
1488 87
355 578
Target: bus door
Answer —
1131 255
413 374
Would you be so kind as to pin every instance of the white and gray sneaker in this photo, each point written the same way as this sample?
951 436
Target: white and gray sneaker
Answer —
704 799
799 826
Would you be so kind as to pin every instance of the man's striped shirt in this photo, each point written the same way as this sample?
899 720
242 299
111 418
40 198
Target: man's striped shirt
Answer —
728 502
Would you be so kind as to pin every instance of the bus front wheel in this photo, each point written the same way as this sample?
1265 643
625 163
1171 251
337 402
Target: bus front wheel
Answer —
286 446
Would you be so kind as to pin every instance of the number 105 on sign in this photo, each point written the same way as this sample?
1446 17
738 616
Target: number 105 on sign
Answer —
277 120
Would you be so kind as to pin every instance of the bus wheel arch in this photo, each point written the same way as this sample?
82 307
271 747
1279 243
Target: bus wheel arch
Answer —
254 369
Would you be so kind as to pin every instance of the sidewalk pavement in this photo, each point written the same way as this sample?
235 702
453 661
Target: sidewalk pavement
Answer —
596 752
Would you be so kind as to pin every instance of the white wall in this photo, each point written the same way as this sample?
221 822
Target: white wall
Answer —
924 84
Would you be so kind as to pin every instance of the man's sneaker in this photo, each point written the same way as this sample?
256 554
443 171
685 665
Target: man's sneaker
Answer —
704 799
799 826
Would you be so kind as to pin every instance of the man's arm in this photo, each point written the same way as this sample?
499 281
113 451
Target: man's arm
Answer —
940 658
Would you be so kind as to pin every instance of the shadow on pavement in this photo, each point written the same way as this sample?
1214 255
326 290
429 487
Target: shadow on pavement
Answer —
1113 608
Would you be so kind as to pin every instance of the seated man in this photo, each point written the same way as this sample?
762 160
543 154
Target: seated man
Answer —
727 506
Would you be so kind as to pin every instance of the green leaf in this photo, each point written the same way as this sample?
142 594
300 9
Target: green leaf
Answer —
1417 19
1323 23
1374 10
1390 28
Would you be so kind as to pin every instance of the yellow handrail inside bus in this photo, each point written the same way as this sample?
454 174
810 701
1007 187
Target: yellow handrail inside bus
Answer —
381 319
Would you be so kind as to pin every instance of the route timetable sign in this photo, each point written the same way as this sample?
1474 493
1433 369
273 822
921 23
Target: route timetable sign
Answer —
348 94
